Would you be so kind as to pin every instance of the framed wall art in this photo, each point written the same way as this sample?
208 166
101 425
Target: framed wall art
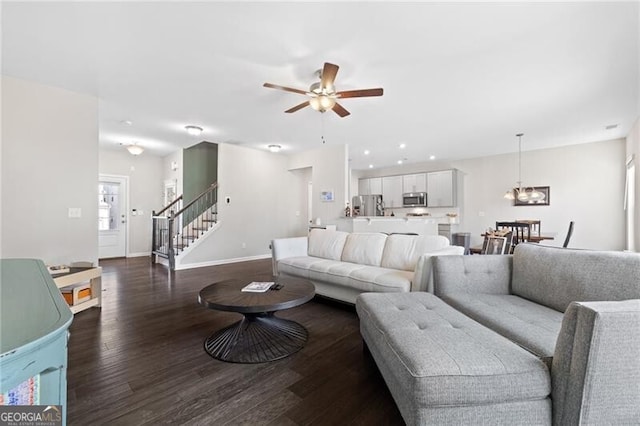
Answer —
543 198
327 195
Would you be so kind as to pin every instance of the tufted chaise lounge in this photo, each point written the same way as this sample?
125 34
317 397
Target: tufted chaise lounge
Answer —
504 340
444 368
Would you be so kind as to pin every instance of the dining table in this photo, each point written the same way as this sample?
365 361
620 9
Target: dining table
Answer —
532 239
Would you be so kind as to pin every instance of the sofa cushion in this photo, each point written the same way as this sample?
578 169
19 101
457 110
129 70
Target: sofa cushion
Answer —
555 277
364 248
440 357
299 266
326 244
530 325
403 251
372 278
333 271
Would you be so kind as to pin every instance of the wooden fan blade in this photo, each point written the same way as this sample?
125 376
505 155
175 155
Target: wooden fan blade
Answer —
339 109
286 89
328 74
360 93
298 107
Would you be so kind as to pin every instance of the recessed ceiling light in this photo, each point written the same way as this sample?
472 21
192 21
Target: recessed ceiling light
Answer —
371 166
432 157
611 127
403 145
193 130
399 161
274 148
367 152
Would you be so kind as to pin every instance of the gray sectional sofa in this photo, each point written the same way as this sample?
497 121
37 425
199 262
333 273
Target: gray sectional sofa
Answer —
545 336
342 265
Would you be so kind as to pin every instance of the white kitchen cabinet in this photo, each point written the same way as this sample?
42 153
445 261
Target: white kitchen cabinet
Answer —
441 189
414 183
392 191
363 187
368 186
375 185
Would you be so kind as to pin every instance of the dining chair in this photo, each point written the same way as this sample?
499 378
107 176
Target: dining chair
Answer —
534 225
569 234
498 243
521 232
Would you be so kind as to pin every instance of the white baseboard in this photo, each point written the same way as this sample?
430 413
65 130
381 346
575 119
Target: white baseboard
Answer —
221 262
141 254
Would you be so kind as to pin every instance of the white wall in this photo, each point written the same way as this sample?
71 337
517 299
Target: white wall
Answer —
587 186
145 192
49 164
264 199
170 174
329 165
633 148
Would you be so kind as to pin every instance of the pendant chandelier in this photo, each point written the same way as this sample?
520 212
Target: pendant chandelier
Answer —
523 194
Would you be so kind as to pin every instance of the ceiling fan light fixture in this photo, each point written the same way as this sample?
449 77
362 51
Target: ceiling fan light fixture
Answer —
322 103
193 130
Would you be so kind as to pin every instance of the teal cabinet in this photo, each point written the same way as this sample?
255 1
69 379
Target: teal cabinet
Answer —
34 323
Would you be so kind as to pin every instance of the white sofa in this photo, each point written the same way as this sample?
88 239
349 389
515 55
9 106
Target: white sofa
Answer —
342 265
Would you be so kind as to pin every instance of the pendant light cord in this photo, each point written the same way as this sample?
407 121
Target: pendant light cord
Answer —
519 135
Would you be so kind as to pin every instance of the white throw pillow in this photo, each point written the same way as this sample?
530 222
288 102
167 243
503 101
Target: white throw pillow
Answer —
364 248
326 244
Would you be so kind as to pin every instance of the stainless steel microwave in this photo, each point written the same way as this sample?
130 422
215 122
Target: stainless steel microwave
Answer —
414 199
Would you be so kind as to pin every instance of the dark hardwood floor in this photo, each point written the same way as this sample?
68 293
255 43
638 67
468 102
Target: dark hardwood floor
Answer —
140 359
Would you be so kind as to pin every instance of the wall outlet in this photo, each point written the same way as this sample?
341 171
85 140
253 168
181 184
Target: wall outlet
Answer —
481 214
75 212
227 199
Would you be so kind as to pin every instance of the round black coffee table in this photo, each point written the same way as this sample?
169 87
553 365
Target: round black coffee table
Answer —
259 336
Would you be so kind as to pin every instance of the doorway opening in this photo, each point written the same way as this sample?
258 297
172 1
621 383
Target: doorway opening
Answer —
113 197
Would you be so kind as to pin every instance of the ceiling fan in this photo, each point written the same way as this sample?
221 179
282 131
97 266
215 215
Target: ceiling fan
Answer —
323 94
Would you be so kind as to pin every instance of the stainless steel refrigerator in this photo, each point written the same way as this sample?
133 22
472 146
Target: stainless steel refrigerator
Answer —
368 205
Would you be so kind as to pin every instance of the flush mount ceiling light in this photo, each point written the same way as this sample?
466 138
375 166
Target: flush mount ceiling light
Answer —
274 148
135 149
193 130
523 194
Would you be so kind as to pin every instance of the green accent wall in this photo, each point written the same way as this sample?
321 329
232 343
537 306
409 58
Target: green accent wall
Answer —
200 169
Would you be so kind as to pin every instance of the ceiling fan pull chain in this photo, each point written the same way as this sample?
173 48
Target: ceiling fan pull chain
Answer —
322 128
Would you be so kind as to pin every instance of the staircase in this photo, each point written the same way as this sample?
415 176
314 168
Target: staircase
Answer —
176 227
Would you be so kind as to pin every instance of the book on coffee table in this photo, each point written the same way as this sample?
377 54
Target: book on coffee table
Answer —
258 287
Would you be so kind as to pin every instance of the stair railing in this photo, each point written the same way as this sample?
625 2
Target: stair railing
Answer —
175 231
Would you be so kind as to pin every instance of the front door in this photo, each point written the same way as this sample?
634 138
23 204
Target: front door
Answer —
112 216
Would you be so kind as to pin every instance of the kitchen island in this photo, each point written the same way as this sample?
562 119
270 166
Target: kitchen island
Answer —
421 225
